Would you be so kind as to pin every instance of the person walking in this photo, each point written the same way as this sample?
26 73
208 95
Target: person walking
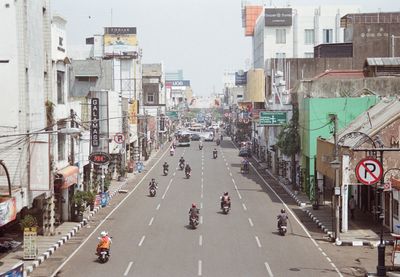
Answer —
352 206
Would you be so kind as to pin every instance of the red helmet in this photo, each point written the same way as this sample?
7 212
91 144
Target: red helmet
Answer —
193 205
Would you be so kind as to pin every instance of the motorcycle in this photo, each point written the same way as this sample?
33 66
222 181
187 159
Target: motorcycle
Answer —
165 171
182 166
218 142
244 168
152 191
200 147
193 221
225 208
171 152
103 255
215 155
187 174
282 229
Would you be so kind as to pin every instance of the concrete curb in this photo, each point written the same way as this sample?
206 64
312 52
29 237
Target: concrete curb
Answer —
44 256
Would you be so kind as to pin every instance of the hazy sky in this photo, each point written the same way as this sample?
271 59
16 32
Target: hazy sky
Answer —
202 37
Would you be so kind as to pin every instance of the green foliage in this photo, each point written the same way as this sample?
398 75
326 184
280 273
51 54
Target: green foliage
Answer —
79 200
28 221
289 138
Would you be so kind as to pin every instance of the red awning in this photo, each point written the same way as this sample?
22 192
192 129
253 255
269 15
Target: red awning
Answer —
69 176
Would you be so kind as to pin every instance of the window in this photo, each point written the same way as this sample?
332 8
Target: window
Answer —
60 41
327 36
309 55
280 55
280 36
60 87
309 36
395 208
61 146
150 98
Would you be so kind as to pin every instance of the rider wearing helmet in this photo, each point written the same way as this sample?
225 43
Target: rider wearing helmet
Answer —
282 218
153 183
194 211
105 242
225 199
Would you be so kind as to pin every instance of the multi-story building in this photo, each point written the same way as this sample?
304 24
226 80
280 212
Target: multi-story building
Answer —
25 70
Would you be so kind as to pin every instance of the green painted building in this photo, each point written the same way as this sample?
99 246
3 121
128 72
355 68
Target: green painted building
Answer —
315 122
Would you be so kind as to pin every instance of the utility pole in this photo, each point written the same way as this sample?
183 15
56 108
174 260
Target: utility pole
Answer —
72 159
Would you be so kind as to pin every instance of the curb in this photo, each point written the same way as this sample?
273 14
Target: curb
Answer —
44 256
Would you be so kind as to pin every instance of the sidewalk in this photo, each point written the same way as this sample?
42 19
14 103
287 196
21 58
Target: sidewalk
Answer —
47 245
361 230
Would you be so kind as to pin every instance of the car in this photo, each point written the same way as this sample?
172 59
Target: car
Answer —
244 152
195 137
209 137
184 140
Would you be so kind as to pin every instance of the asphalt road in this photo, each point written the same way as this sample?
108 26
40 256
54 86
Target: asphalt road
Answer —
151 236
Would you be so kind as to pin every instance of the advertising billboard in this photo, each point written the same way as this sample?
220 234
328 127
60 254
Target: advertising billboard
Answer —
177 83
120 41
278 17
133 111
240 78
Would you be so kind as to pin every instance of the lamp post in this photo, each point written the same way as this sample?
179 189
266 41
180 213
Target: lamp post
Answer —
335 164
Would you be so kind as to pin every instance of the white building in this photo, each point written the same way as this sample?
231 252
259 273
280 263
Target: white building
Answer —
26 84
292 32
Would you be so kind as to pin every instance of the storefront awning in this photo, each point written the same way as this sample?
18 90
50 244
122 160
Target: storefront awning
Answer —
68 176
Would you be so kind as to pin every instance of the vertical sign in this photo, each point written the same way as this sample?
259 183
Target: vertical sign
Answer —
30 243
162 123
94 126
133 109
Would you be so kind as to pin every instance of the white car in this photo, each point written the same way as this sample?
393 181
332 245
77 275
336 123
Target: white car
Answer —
208 137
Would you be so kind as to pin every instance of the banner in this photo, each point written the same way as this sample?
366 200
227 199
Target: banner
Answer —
16 271
8 210
133 110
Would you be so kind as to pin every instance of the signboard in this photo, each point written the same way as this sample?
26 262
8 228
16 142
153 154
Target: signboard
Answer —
273 118
173 115
369 171
133 111
120 41
30 243
240 78
119 138
177 83
99 158
8 210
94 125
278 17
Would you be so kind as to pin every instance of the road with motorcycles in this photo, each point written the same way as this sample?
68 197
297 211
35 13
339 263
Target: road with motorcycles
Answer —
152 236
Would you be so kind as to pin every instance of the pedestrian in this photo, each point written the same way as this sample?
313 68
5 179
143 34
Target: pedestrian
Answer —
352 206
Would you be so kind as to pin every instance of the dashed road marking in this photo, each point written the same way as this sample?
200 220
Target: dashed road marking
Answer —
201 219
199 271
250 222
158 206
244 207
128 268
268 269
141 241
151 221
258 242
200 240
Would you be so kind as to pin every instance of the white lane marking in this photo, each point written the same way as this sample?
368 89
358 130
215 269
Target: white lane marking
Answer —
128 268
323 253
158 206
199 268
201 240
293 215
244 207
202 173
268 269
174 173
233 181
258 242
226 164
230 173
151 221
166 190
251 222
201 205
201 219
329 259
106 218
141 241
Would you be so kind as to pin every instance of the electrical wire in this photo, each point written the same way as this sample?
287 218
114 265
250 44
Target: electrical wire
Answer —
307 129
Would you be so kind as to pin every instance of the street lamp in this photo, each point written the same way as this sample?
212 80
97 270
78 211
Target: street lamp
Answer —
335 164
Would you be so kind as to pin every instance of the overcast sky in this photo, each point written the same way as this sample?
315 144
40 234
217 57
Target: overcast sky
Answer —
202 37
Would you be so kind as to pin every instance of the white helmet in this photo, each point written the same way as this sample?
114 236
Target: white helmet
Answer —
103 234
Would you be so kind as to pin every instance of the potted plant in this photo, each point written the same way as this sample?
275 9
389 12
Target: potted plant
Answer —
28 221
79 202
90 199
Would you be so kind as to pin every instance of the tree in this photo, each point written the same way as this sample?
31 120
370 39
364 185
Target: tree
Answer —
289 142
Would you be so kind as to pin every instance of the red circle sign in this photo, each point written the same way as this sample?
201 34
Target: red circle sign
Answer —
119 138
369 171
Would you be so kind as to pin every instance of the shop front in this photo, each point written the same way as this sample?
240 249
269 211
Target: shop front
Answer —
64 188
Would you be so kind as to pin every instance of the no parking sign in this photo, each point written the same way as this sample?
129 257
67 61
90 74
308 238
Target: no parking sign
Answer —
369 171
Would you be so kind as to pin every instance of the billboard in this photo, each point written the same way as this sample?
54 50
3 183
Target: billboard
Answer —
177 83
8 210
120 41
133 111
278 17
240 78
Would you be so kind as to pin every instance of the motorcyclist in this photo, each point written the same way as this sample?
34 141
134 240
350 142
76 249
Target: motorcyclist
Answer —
172 150
187 169
245 164
105 242
282 218
153 184
165 166
194 211
225 199
218 141
181 161
200 144
215 152
222 136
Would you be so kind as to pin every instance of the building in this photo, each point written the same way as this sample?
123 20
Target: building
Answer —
25 132
174 75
